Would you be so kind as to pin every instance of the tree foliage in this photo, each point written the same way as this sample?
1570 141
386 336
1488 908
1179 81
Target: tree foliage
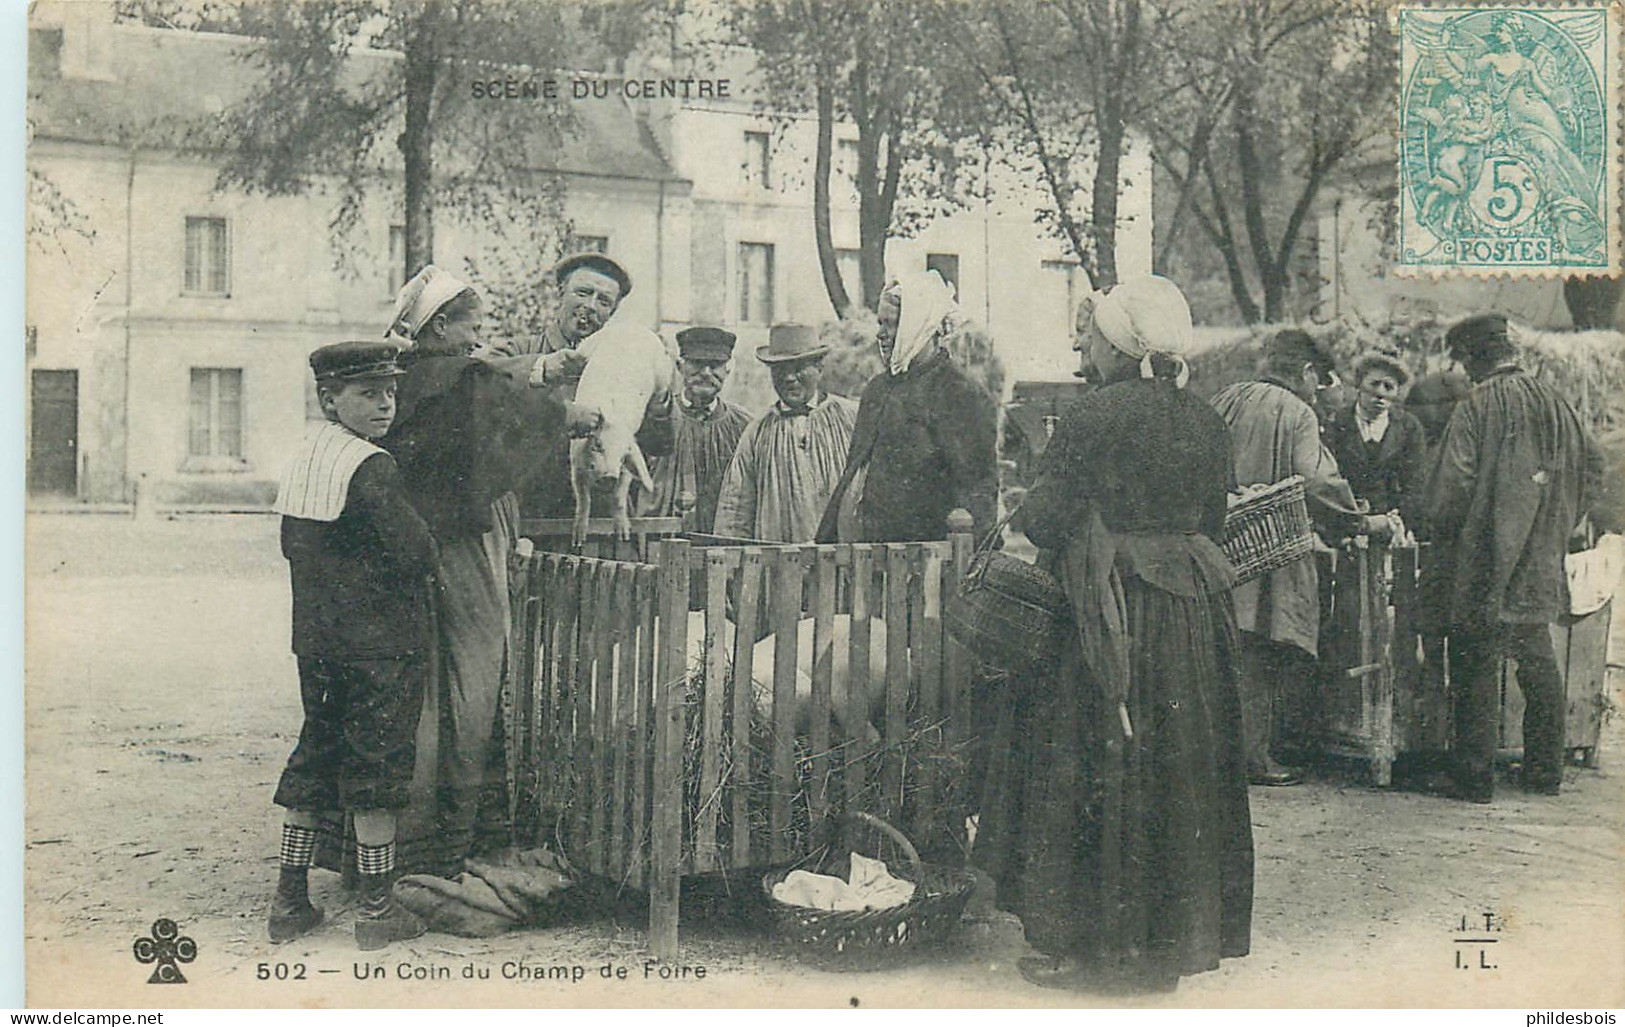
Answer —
1277 98
373 98
872 64
1055 86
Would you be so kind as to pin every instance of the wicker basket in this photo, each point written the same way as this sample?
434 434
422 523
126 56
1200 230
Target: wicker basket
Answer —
874 938
1007 612
1268 529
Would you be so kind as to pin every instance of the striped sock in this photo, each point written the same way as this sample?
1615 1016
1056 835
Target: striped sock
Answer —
375 859
298 846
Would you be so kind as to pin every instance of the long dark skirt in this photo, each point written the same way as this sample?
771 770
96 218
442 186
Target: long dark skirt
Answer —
458 798
1134 857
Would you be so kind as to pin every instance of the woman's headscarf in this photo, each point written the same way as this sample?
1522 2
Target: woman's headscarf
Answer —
1144 315
928 312
421 299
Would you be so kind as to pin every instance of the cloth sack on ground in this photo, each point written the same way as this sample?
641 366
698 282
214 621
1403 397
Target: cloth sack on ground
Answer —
524 890
871 886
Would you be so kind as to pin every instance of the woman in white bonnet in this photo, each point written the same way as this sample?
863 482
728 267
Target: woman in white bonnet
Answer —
1122 838
466 429
926 435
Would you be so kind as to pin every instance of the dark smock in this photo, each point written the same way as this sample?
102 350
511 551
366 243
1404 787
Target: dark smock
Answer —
466 435
1134 856
926 444
1517 470
704 444
360 632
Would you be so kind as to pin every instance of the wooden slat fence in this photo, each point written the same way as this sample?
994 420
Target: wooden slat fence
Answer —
709 710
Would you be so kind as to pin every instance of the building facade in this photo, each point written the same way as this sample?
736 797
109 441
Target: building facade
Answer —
169 320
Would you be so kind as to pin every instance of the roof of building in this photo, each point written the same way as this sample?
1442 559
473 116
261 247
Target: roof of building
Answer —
151 86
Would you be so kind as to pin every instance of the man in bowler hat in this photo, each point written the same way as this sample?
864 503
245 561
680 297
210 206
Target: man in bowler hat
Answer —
789 459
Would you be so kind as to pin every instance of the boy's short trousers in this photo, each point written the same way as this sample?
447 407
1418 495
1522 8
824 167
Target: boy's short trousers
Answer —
359 740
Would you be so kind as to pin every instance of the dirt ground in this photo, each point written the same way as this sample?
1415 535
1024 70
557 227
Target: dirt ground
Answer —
162 700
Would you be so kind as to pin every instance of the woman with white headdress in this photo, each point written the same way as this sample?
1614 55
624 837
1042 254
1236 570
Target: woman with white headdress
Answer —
1117 822
466 428
926 435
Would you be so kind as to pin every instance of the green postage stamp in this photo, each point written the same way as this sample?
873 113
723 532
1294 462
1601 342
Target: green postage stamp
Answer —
1509 139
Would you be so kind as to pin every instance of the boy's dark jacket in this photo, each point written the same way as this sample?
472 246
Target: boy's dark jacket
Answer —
361 582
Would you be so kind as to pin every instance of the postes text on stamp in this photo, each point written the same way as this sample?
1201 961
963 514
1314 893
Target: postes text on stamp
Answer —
1509 128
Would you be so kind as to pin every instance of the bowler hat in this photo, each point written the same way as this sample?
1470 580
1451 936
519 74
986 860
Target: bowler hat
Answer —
705 343
594 262
787 342
355 361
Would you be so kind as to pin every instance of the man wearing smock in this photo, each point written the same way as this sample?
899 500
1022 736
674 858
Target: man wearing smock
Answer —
591 289
789 459
706 431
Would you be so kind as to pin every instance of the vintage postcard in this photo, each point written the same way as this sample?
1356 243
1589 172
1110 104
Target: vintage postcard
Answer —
1509 139
903 504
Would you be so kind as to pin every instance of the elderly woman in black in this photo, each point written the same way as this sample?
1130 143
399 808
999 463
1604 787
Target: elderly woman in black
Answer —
926 436
1121 836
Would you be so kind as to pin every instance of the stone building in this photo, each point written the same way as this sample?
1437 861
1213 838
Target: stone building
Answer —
169 321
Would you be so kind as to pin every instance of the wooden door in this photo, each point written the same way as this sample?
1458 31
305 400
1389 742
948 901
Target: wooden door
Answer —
53 450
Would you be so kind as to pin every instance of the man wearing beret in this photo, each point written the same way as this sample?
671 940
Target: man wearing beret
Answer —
591 287
1517 471
706 429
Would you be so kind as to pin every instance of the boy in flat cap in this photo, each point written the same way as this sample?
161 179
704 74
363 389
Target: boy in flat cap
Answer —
706 428
360 558
1517 471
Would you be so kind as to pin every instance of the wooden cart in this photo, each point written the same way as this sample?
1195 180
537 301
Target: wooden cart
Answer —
1384 665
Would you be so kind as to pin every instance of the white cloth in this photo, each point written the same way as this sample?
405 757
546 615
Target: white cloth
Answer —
1374 429
421 299
871 886
315 485
1595 574
1143 315
927 304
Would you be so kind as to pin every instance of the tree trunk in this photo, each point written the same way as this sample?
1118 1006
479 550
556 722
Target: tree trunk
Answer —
1103 198
1594 302
828 264
417 141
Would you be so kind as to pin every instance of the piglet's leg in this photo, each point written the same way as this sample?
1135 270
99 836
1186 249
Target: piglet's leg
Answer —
623 520
581 488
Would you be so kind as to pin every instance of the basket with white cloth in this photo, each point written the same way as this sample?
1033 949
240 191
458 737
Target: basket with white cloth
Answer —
904 909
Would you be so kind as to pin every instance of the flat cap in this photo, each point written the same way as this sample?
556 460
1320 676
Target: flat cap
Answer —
705 343
595 262
355 361
1296 346
1484 336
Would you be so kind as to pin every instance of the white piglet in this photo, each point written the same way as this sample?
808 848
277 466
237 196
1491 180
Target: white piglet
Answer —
626 367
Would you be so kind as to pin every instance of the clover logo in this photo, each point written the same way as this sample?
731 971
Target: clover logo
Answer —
168 948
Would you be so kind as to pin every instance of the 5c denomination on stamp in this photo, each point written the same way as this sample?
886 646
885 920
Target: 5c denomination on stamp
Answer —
1509 139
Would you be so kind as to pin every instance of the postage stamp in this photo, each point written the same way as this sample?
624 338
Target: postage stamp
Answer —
1509 140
